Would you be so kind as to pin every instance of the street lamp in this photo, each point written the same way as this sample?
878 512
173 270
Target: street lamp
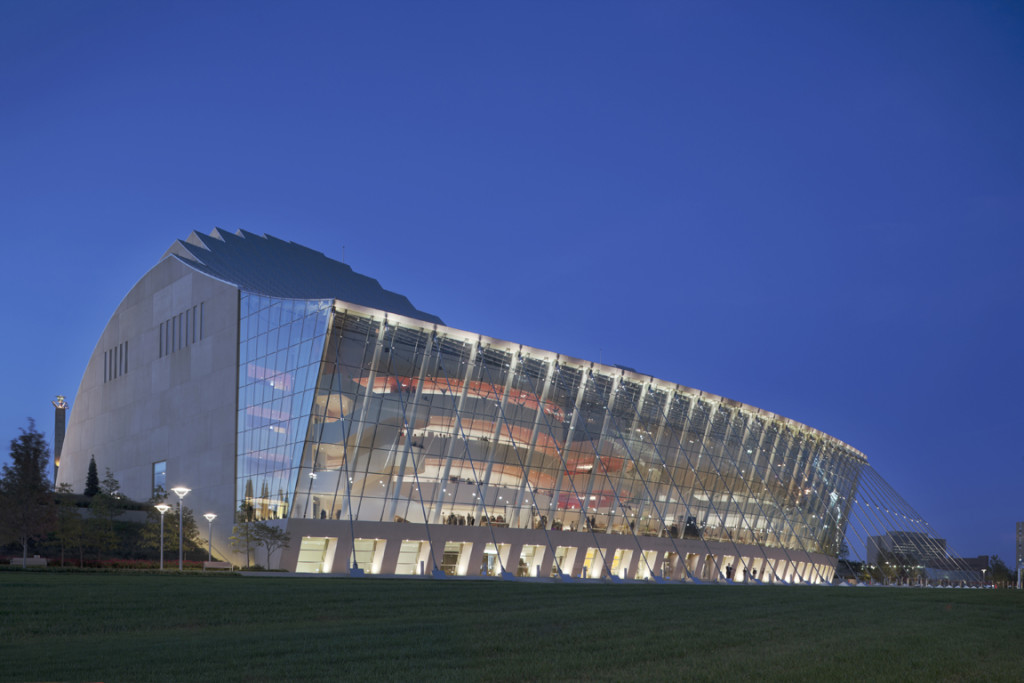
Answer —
181 492
209 518
162 507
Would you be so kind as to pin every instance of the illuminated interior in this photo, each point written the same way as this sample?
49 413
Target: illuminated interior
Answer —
349 416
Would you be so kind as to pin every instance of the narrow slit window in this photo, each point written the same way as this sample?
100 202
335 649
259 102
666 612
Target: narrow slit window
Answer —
179 331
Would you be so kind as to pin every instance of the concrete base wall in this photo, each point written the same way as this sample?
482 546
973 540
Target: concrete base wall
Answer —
639 557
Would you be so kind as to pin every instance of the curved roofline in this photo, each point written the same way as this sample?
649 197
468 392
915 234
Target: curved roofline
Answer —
607 369
299 272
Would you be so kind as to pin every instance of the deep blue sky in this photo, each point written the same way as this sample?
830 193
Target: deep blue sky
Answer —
814 208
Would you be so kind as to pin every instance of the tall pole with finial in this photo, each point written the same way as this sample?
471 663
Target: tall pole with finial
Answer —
60 409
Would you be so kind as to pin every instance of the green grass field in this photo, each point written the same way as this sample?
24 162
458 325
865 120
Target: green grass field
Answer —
69 626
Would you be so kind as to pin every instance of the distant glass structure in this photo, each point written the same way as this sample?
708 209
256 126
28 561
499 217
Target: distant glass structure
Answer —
389 443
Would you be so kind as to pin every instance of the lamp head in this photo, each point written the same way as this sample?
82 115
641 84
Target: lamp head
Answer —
210 517
181 491
162 507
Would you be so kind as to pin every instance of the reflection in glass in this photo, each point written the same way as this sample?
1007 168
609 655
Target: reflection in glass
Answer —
345 416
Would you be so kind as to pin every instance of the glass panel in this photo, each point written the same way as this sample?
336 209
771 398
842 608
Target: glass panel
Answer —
564 556
529 560
420 425
363 552
589 562
312 553
409 558
452 555
491 565
620 562
646 567
273 416
159 477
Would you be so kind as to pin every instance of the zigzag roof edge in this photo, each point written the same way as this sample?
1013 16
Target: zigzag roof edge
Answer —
264 264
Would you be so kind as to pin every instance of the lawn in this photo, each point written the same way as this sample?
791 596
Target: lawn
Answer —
72 626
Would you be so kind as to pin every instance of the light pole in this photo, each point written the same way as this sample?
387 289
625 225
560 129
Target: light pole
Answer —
181 492
162 507
209 518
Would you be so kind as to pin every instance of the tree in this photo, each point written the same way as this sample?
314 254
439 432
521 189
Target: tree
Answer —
1001 574
69 528
150 534
151 531
104 507
191 539
26 501
271 537
92 479
243 533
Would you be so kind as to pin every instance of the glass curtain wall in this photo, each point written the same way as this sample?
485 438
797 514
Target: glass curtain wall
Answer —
280 346
414 425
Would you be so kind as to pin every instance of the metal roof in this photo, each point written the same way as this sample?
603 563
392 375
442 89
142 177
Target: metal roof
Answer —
273 267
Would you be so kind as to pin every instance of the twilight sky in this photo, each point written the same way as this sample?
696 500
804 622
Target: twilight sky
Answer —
813 208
